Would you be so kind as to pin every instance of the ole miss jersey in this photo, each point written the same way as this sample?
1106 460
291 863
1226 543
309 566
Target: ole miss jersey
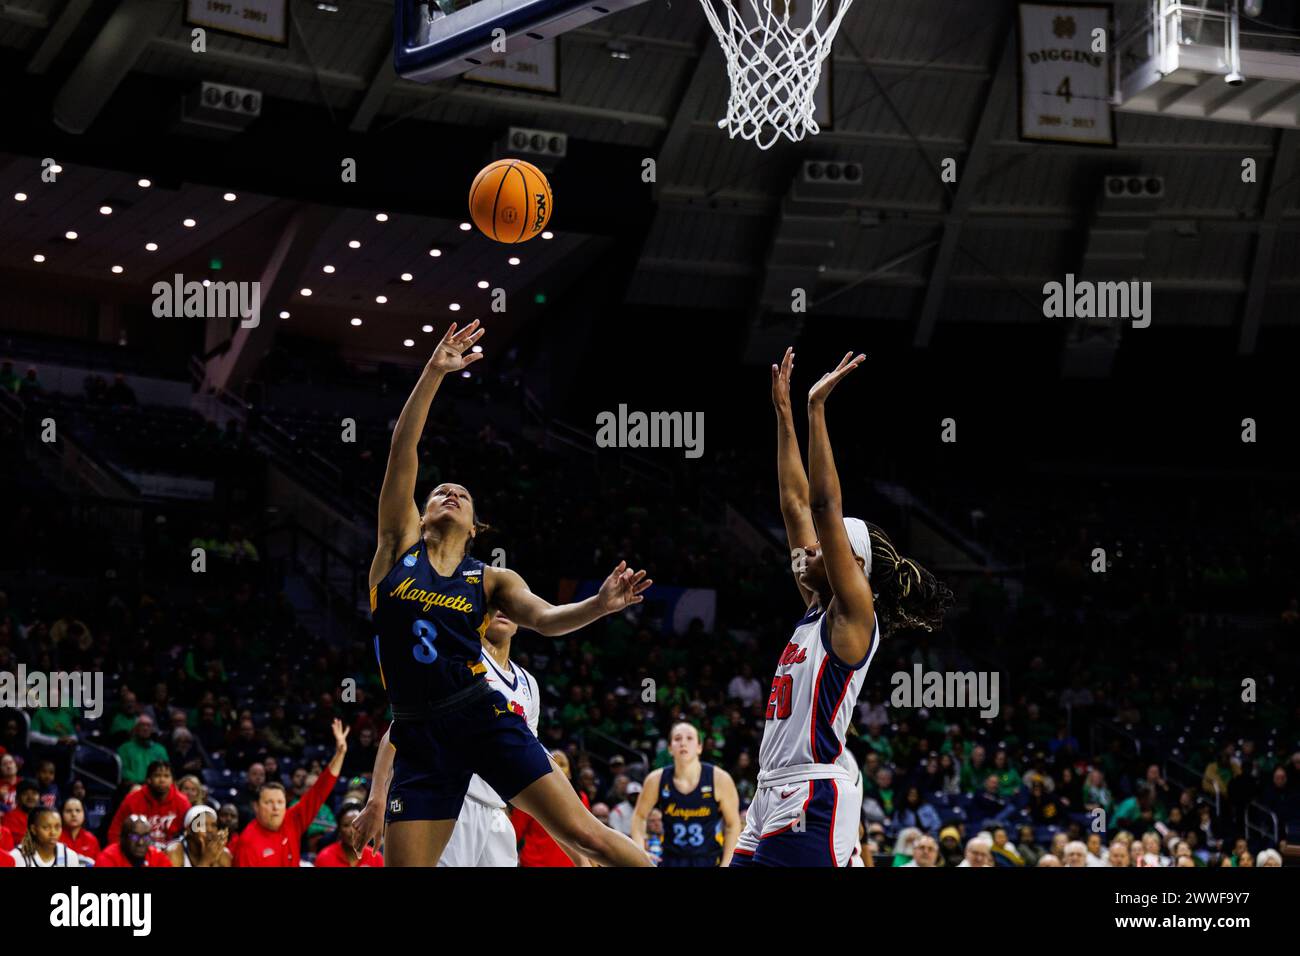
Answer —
810 703
519 695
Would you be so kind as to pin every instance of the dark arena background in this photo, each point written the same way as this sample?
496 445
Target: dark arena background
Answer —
1065 237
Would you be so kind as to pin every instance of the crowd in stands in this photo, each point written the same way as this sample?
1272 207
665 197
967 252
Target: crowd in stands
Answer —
1123 735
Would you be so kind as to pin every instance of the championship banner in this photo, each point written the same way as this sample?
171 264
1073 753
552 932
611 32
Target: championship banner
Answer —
535 69
1065 74
266 20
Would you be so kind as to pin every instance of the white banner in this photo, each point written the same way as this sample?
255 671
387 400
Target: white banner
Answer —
256 19
536 69
1065 74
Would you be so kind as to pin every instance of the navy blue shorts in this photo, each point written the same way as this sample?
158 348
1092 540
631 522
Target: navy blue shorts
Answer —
436 757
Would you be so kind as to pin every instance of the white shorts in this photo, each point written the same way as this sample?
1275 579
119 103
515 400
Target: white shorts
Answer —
801 823
483 836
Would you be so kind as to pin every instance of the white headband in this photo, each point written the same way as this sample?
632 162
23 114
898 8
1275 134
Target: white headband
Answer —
197 811
860 541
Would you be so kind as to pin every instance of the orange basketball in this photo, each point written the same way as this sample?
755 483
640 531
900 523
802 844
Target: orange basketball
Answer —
510 201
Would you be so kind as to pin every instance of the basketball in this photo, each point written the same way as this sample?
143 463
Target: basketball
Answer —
510 201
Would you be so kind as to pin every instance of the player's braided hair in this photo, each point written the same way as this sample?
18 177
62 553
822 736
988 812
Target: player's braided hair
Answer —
906 595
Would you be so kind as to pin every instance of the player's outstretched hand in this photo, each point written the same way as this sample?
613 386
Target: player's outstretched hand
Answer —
826 384
623 587
781 382
451 355
340 736
368 826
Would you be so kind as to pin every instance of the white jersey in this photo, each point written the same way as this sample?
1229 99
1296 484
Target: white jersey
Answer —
810 707
520 691
62 857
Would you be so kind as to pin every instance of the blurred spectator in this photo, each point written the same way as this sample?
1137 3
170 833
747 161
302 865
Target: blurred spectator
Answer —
133 846
340 852
140 751
159 802
40 844
202 842
74 834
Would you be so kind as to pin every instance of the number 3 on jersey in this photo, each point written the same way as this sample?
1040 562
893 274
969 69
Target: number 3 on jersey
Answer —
778 703
424 651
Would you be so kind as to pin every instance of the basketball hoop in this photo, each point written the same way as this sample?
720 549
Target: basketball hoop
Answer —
774 67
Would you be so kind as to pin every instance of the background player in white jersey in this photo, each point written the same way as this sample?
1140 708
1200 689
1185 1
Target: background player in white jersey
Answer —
807 807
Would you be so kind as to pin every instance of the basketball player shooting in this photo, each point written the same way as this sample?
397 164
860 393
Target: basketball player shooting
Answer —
807 807
432 603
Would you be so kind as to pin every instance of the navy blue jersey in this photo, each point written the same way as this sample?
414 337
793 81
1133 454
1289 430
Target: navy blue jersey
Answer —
428 630
692 821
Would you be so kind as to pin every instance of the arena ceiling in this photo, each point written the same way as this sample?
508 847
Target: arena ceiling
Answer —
724 225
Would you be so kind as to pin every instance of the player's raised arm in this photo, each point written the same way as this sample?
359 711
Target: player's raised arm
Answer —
399 516
790 477
854 619
508 592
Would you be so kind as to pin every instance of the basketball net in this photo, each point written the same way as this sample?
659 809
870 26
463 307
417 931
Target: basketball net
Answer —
774 67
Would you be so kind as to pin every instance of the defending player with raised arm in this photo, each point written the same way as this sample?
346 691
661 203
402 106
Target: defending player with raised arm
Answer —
854 583
431 604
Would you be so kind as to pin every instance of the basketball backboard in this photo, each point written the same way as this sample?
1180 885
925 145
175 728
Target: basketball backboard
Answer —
444 38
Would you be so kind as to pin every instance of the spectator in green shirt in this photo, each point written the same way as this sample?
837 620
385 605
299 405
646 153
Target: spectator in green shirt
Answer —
879 743
126 715
140 751
9 379
54 725
1008 776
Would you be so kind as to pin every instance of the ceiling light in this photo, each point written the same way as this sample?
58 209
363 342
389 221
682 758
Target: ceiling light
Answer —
477 348
464 227
381 217
482 283
143 183
117 270
284 314
38 258
408 342
381 299
206 283
354 244
455 307
426 328
69 235
355 320
20 197
304 291
229 197
513 260
407 277
464 374
328 270
188 223
548 234
106 210
435 253
151 247
56 169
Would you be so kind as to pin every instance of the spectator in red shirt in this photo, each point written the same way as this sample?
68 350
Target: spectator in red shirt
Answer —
159 801
134 846
8 782
275 837
536 846
28 799
75 836
340 852
228 820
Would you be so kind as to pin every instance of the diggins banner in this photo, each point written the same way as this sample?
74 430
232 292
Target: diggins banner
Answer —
1065 74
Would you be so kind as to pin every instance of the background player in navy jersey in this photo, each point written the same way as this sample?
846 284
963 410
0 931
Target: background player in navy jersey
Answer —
854 582
431 603
699 803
